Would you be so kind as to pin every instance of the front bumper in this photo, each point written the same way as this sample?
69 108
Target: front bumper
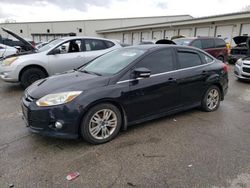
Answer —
41 120
242 72
8 75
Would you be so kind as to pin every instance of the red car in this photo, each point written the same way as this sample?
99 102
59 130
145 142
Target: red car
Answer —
212 45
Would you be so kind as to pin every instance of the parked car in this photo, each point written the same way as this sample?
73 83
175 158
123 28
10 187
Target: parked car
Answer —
7 51
212 45
25 45
242 68
58 56
161 41
241 50
124 87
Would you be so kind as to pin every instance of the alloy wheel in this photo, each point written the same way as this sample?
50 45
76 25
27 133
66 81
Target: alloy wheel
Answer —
103 124
213 98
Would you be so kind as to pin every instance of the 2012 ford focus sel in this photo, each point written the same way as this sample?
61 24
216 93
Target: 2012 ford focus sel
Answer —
124 87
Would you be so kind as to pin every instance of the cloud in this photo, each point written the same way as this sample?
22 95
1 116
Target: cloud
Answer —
162 5
64 4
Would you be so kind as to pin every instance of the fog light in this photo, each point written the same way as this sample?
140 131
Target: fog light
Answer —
58 125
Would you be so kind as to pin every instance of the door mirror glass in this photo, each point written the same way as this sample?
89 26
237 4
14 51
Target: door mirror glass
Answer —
142 72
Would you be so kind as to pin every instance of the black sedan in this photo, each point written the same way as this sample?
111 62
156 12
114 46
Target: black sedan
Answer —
124 87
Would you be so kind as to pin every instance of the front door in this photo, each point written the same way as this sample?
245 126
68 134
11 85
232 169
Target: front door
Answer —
70 57
156 94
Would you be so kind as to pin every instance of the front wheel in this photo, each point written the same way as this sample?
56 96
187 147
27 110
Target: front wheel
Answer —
31 75
211 99
101 123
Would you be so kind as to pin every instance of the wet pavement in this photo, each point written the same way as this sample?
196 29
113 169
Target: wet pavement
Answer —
190 149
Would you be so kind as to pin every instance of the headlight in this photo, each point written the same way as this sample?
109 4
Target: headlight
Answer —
239 62
9 61
58 98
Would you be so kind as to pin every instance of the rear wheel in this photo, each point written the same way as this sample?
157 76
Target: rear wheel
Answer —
31 75
101 123
211 99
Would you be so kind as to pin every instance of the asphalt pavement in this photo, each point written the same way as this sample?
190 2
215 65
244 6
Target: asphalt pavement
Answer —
189 149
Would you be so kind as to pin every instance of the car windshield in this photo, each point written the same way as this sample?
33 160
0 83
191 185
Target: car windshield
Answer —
50 45
182 41
113 62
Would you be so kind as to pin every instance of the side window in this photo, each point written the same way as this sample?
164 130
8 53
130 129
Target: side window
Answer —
94 44
158 62
72 46
219 43
188 59
109 44
197 44
207 43
206 58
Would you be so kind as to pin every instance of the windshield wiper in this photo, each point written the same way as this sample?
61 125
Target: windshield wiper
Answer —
90 72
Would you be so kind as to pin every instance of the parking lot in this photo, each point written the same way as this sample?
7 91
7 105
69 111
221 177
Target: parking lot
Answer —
190 149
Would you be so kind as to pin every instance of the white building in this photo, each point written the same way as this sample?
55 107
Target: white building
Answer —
134 30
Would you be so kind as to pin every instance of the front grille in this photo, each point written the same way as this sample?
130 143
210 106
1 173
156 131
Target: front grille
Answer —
245 69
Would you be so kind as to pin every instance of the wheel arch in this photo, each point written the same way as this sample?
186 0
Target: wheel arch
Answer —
110 101
32 66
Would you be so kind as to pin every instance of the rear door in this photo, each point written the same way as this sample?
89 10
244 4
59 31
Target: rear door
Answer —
95 47
208 45
157 94
191 76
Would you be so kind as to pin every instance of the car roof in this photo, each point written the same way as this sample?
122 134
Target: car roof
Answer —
85 37
199 37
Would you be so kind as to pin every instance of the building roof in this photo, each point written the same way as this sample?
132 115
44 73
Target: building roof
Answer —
101 19
212 19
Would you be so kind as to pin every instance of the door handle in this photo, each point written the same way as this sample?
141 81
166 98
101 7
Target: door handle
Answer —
204 72
172 80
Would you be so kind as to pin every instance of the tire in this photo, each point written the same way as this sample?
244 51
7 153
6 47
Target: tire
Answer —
94 124
213 94
31 75
221 58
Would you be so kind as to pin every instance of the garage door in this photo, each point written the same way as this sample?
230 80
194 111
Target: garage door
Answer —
135 38
126 38
202 31
145 36
186 32
157 35
169 34
225 32
245 30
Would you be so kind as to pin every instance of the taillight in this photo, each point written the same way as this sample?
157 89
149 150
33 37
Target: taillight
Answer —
225 68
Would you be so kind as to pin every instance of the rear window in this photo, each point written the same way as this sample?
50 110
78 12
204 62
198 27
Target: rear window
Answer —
183 41
197 44
188 59
219 43
94 44
207 43
206 58
109 44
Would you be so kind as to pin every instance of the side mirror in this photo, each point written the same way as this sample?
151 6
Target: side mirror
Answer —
56 51
142 72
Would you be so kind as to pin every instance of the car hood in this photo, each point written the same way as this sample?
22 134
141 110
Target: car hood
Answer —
32 48
240 39
69 81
